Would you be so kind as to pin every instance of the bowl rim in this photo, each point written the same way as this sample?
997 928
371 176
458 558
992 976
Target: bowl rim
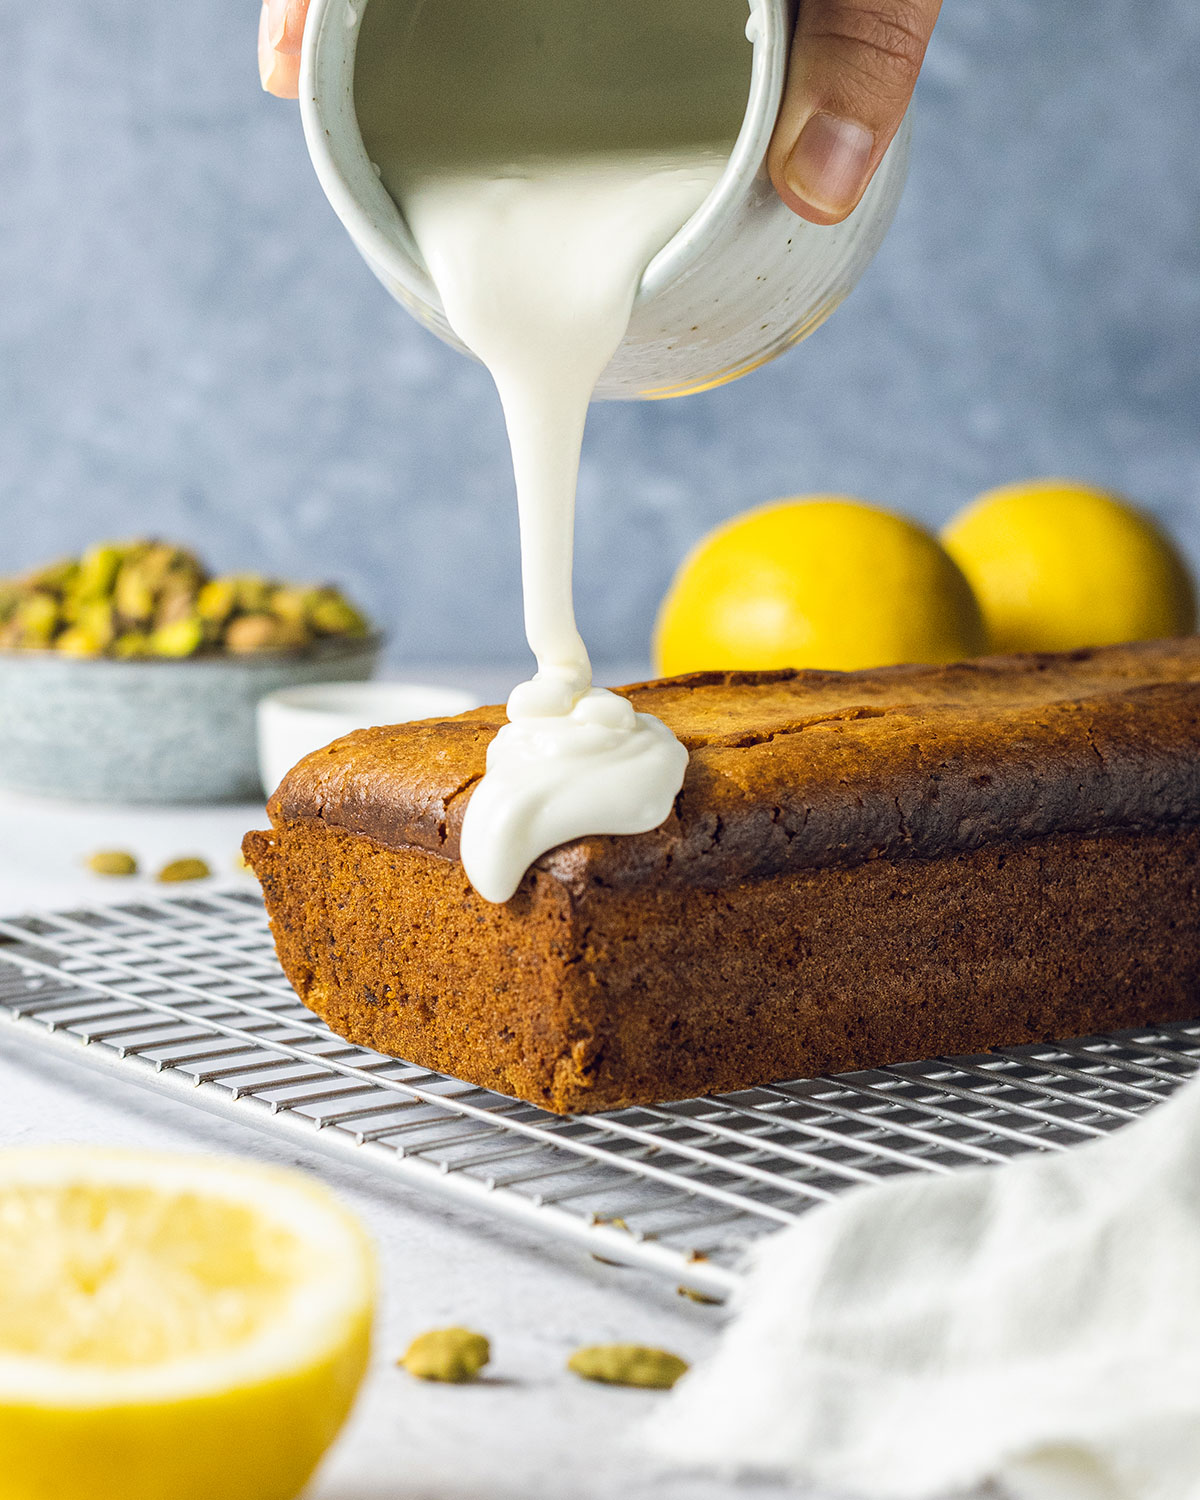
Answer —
321 650
279 702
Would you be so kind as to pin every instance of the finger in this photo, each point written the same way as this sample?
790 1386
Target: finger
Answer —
280 72
852 71
285 22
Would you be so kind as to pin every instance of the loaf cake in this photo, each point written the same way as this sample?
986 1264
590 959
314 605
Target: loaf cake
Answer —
861 868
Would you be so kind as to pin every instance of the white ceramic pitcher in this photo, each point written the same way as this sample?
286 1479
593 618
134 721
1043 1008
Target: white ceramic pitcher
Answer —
742 281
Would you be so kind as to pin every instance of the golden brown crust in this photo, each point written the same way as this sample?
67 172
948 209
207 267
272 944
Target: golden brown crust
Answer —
861 868
627 997
807 770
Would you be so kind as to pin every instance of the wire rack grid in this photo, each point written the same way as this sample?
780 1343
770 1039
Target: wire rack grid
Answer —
184 994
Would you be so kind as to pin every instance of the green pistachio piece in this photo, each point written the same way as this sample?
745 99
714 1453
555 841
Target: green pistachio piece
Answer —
176 602
11 594
616 1223
134 593
36 619
96 621
694 1296
628 1364
155 560
183 869
75 641
112 862
98 570
332 614
455 1355
292 604
79 641
249 633
132 643
180 638
55 577
217 600
253 593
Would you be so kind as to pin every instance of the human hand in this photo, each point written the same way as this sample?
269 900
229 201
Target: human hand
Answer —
853 68
280 32
854 64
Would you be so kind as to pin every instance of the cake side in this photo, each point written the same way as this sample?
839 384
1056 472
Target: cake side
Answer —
808 770
609 998
396 951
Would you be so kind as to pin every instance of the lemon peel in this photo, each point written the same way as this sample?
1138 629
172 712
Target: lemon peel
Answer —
817 581
172 1327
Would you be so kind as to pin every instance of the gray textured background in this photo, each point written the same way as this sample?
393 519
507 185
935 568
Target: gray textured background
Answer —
190 346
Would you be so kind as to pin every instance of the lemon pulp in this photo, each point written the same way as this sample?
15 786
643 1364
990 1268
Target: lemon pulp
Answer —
172 1327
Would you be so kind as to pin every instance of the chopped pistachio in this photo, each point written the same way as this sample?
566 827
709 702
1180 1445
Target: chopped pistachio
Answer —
334 615
176 602
11 595
133 593
160 562
132 643
183 869
112 862
292 604
55 577
76 640
693 1295
249 633
149 598
628 1364
181 638
615 1223
216 600
98 571
96 620
36 619
253 593
454 1355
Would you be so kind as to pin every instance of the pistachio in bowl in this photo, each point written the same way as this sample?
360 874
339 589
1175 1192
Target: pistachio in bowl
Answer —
131 673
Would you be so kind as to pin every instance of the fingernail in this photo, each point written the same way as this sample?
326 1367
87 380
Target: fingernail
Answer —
276 21
266 53
828 165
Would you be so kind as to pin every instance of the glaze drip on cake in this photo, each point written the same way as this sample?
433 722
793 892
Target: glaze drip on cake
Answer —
537 256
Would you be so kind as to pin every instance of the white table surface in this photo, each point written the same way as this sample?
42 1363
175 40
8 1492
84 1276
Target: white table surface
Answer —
531 1430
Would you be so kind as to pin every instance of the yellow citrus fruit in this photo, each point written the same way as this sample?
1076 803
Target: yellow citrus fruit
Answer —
816 582
172 1328
1056 565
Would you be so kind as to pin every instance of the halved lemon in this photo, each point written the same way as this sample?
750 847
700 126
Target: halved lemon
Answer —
172 1327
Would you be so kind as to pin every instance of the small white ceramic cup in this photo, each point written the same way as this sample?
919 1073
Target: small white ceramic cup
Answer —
295 721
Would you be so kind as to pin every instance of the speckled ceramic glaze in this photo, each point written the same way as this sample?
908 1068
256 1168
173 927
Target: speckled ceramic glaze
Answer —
149 731
739 284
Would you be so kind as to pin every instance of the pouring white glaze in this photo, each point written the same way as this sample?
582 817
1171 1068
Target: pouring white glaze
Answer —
538 273
537 257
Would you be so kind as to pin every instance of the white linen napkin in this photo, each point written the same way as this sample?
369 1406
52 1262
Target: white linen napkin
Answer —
1036 1323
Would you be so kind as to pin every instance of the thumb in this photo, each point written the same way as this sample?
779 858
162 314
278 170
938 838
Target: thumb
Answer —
852 71
280 33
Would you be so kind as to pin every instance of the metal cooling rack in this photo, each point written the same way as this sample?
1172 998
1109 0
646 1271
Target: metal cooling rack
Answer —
185 995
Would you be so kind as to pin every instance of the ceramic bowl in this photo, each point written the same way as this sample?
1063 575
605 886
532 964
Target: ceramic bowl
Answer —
99 730
297 720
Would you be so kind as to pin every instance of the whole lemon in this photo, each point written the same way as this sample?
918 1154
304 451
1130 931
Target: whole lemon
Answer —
1056 564
821 581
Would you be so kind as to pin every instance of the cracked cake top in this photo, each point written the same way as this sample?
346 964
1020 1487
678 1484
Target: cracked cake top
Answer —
806 769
